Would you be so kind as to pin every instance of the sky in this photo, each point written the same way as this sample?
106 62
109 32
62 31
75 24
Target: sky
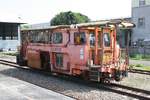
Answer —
39 11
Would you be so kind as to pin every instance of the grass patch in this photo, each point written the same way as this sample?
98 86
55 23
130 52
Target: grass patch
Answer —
140 67
140 57
9 53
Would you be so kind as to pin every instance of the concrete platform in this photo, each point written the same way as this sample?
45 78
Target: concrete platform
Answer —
15 89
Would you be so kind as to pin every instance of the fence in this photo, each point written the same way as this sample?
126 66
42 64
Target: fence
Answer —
139 50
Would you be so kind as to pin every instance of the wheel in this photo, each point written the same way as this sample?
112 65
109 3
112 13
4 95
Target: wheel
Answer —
118 75
20 61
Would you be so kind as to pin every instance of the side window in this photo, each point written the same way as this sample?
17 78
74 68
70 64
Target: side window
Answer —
39 36
79 38
47 35
106 39
43 37
57 38
32 36
59 60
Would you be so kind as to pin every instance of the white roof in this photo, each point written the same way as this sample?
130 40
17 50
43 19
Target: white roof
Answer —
98 23
10 18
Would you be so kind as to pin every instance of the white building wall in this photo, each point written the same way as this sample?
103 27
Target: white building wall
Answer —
141 12
19 36
135 3
10 44
148 2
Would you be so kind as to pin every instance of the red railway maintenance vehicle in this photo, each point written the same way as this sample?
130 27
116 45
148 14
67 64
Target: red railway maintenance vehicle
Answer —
89 50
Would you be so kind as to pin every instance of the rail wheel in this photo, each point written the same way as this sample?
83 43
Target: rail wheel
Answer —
118 75
20 61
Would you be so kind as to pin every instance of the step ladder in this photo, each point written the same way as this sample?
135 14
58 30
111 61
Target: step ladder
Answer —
94 74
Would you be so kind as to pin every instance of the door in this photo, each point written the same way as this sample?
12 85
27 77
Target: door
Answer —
96 46
45 60
108 46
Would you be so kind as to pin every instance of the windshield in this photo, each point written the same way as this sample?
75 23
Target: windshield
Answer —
92 39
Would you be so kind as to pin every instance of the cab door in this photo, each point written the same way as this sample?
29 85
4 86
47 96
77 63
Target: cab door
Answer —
108 47
96 46
102 48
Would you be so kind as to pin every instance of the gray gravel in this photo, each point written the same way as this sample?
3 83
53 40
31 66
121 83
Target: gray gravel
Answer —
72 89
7 57
137 80
143 62
75 90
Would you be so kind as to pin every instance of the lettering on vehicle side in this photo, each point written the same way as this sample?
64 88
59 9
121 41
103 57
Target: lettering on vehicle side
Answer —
56 49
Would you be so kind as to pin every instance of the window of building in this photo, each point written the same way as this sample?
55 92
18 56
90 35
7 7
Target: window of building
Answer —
141 22
8 31
57 38
141 2
14 32
106 39
79 38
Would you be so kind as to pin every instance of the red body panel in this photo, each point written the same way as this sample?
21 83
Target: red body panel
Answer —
76 59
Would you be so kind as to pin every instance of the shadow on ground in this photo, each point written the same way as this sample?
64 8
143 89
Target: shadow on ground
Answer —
48 82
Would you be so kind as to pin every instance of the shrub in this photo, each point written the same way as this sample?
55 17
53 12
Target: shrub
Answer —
139 65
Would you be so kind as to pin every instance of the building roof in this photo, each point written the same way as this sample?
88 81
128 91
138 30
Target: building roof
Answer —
10 18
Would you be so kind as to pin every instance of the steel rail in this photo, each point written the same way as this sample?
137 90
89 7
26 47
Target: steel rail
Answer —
139 71
134 92
13 64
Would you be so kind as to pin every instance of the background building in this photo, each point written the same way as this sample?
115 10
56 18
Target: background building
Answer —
9 33
36 26
141 18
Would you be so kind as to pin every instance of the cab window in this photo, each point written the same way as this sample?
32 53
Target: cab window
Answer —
57 38
106 39
92 39
79 38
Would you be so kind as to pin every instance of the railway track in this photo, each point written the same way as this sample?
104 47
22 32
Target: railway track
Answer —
139 71
130 70
130 91
13 64
113 87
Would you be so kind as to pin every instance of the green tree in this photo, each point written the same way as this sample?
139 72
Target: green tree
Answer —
68 18
25 26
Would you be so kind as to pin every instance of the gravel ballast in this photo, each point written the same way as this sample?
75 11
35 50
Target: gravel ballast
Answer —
74 89
58 85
